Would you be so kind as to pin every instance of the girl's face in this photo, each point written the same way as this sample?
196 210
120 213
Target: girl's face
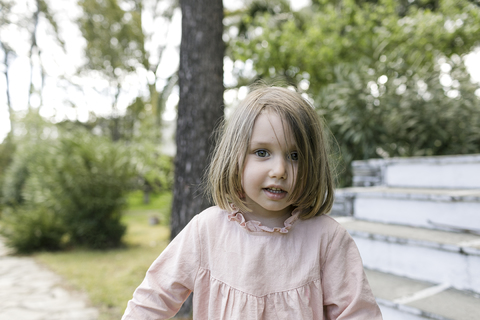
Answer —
270 167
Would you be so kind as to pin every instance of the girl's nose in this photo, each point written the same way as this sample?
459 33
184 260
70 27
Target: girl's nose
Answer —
279 168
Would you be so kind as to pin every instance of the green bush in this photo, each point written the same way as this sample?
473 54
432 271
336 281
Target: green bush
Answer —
372 119
15 176
79 179
7 147
33 229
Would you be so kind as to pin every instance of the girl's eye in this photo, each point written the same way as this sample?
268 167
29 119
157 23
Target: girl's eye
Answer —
293 156
262 153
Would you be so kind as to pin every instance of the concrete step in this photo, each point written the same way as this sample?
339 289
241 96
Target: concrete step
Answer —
450 172
441 209
417 253
401 298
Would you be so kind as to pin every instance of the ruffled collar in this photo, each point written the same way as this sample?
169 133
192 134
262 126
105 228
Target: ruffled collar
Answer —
256 226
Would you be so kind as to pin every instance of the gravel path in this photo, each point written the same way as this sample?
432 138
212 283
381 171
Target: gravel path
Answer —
29 291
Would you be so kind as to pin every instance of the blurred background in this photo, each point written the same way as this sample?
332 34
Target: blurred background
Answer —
88 106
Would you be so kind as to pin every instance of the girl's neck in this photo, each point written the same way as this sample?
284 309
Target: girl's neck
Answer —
269 221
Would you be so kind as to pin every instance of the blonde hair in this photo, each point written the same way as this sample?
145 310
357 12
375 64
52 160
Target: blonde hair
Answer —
313 190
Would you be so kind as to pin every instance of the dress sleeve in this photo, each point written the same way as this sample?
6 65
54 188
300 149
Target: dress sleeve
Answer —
169 280
347 294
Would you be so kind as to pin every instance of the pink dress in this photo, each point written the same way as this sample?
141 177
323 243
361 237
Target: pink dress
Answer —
237 269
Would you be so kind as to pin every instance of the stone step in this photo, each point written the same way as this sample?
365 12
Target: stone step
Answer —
441 209
417 253
401 298
449 172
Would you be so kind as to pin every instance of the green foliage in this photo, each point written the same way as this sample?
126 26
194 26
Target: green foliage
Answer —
314 41
32 229
115 39
30 135
154 170
7 148
75 184
18 173
375 70
372 116
116 47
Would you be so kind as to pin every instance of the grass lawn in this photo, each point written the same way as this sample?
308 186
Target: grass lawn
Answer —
110 277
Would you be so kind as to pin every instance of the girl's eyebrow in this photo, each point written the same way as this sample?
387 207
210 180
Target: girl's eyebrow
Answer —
260 142
263 143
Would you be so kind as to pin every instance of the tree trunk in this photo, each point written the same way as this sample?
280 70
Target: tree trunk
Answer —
200 107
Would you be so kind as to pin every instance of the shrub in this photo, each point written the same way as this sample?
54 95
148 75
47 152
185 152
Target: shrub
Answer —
16 174
371 118
80 180
6 152
32 229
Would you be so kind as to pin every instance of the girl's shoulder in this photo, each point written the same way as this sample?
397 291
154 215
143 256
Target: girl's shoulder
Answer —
211 213
323 221
212 217
323 228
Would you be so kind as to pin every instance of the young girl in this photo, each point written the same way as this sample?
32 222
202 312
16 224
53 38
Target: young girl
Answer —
266 250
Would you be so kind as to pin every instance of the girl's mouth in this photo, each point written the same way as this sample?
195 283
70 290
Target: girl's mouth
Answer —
275 193
274 190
